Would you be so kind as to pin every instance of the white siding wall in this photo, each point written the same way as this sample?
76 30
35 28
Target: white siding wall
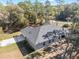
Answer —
40 45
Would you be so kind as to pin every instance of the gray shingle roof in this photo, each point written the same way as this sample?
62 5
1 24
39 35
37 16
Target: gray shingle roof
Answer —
35 34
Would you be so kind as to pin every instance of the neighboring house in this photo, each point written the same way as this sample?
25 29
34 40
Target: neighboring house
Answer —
43 36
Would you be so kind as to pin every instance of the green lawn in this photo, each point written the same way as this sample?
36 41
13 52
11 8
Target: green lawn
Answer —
13 46
16 47
5 36
8 48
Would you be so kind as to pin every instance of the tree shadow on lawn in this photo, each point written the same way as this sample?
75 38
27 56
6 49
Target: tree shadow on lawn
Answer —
23 46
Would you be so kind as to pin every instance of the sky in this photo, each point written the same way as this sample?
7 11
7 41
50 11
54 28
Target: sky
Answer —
52 1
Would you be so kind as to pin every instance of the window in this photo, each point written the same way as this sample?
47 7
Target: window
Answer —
52 40
30 32
49 41
59 37
63 36
43 43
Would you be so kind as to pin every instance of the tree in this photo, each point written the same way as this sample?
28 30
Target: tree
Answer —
60 2
9 2
69 11
60 5
29 10
16 18
74 40
47 10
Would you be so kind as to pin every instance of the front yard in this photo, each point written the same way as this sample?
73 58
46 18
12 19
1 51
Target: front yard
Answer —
4 36
15 51
10 52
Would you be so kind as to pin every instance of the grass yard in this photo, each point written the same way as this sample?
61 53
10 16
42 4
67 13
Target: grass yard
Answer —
10 52
15 51
8 48
5 36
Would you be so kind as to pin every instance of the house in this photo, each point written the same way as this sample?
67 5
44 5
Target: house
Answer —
43 36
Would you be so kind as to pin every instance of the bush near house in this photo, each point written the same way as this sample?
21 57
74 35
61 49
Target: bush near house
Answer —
65 25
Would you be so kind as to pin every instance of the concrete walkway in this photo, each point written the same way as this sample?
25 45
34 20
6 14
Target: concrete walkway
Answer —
11 41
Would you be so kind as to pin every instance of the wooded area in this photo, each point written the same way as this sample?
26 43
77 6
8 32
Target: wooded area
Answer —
14 17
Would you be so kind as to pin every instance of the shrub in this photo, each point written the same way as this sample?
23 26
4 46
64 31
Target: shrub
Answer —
65 25
35 54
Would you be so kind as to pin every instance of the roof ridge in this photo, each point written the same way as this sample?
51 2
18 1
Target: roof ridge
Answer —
37 35
39 32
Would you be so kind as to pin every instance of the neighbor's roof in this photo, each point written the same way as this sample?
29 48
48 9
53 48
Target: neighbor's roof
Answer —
35 34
